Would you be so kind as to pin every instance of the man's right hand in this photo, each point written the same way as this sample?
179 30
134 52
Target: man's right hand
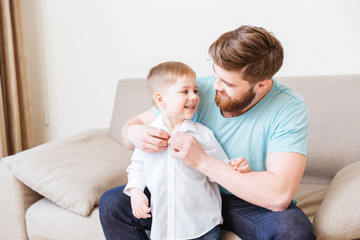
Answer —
146 138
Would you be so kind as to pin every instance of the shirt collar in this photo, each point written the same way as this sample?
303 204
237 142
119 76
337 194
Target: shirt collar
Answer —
186 126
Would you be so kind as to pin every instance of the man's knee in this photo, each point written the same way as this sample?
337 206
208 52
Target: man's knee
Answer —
111 203
292 224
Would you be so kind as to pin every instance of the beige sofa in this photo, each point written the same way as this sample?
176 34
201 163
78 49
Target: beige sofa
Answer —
51 191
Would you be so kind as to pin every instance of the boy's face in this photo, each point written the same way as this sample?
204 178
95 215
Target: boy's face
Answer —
181 99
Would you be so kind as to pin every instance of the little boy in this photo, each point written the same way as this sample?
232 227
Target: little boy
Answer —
184 203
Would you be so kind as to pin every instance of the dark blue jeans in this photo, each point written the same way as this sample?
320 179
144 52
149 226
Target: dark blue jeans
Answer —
246 220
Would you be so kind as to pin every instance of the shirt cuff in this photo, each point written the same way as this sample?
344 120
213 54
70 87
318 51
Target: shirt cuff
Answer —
133 183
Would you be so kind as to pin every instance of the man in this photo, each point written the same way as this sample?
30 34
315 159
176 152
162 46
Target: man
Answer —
253 117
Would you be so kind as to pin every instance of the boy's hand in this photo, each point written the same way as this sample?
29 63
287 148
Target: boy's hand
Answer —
139 204
240 164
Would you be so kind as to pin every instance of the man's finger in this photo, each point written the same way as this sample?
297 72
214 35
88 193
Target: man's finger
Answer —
176 145
147 147
156 141
157 133
177 155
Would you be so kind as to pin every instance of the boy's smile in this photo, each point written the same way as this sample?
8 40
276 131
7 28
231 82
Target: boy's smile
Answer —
179 101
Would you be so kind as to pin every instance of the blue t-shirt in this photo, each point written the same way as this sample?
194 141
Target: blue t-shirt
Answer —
278 123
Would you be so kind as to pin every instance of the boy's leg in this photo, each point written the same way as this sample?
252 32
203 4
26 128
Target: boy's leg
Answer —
249 221
117 219
213 234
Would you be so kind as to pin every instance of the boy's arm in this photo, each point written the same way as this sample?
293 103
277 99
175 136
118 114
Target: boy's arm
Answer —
136 133
136 173
136 185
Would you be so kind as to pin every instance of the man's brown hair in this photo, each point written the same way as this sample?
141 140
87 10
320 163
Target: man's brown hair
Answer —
253 51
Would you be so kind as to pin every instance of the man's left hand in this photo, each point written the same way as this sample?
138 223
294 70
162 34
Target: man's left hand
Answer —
187 149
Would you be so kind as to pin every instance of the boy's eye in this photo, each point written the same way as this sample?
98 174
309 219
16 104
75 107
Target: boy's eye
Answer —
196 91
185 91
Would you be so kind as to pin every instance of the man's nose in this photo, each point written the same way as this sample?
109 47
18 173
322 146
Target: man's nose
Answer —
218 85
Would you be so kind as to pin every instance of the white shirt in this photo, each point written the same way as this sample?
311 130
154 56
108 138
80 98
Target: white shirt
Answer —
184 203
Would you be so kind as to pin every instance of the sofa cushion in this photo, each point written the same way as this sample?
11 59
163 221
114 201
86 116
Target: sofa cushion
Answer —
309 198
339 213
73 172
132 98
45 220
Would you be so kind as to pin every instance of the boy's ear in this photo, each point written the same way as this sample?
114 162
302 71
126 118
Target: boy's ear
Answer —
159 100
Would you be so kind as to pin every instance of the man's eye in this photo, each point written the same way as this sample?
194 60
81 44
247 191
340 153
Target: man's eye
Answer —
227 84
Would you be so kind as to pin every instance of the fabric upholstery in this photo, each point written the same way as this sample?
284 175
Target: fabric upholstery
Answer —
131 99
46 220
334 134
73 172
338 215
15 198
309 198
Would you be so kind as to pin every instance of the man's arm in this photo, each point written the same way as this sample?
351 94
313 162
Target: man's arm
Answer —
272 189
136 133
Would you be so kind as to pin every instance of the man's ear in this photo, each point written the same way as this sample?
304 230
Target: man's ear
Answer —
160 100
262 86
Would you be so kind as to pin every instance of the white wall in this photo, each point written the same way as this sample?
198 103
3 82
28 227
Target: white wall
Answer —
79 49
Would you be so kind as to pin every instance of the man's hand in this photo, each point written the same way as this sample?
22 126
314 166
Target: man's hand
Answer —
240 164
146 138
136 133
187 149
139 204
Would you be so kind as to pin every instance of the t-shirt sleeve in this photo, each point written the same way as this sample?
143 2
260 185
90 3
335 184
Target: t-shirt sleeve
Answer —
290 129
213 148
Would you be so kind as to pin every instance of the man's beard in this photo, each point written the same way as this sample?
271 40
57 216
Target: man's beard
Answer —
226 104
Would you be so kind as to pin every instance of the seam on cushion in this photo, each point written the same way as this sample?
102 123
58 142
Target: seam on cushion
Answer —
337 234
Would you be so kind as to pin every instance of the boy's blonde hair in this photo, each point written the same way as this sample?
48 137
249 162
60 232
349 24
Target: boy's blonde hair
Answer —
163 75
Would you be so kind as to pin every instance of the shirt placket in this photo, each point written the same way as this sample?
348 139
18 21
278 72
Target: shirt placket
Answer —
170 195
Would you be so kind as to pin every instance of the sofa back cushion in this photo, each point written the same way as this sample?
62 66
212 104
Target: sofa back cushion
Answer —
334 134
334 105
131 99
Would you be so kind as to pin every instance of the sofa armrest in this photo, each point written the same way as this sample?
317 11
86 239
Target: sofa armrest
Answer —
15 199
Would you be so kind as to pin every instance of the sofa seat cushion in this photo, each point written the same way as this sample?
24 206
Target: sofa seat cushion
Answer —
46 220
309 198
227 235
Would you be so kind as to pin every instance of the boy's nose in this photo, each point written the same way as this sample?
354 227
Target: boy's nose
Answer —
193 95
